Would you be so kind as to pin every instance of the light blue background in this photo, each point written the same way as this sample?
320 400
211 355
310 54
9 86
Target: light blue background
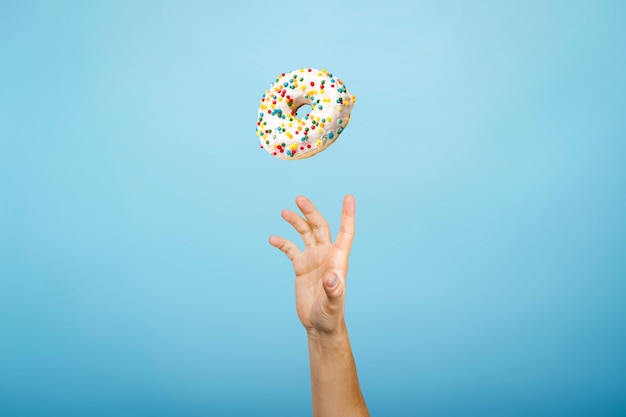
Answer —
486 152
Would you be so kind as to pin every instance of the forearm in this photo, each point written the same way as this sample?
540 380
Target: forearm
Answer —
334 381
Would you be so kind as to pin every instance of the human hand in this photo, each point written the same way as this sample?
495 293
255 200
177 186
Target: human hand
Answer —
322 267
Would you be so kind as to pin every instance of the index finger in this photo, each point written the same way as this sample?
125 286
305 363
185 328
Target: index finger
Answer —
346 226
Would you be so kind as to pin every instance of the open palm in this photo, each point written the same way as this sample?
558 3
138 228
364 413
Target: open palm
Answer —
322 267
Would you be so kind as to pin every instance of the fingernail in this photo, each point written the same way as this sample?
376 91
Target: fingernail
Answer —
333 280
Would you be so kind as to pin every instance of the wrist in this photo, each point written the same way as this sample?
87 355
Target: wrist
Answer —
328 339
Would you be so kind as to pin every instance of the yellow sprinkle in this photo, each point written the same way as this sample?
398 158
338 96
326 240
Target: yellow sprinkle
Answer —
289 135
318 142
326 100
329 119
303 87
280 99
339 108
321 124
294 146
302 70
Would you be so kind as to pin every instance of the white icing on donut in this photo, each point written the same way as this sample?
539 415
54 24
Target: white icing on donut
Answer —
285 135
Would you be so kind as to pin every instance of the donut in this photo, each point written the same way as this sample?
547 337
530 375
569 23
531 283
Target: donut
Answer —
286 135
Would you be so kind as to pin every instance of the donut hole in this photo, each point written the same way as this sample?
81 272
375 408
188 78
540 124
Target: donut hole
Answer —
303 110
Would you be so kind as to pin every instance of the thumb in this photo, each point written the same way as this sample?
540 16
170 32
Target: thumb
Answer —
334 288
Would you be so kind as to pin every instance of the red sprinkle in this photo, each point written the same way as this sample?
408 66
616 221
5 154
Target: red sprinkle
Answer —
312 83
308 146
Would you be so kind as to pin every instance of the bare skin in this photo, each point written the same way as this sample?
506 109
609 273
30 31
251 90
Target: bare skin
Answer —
321 271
